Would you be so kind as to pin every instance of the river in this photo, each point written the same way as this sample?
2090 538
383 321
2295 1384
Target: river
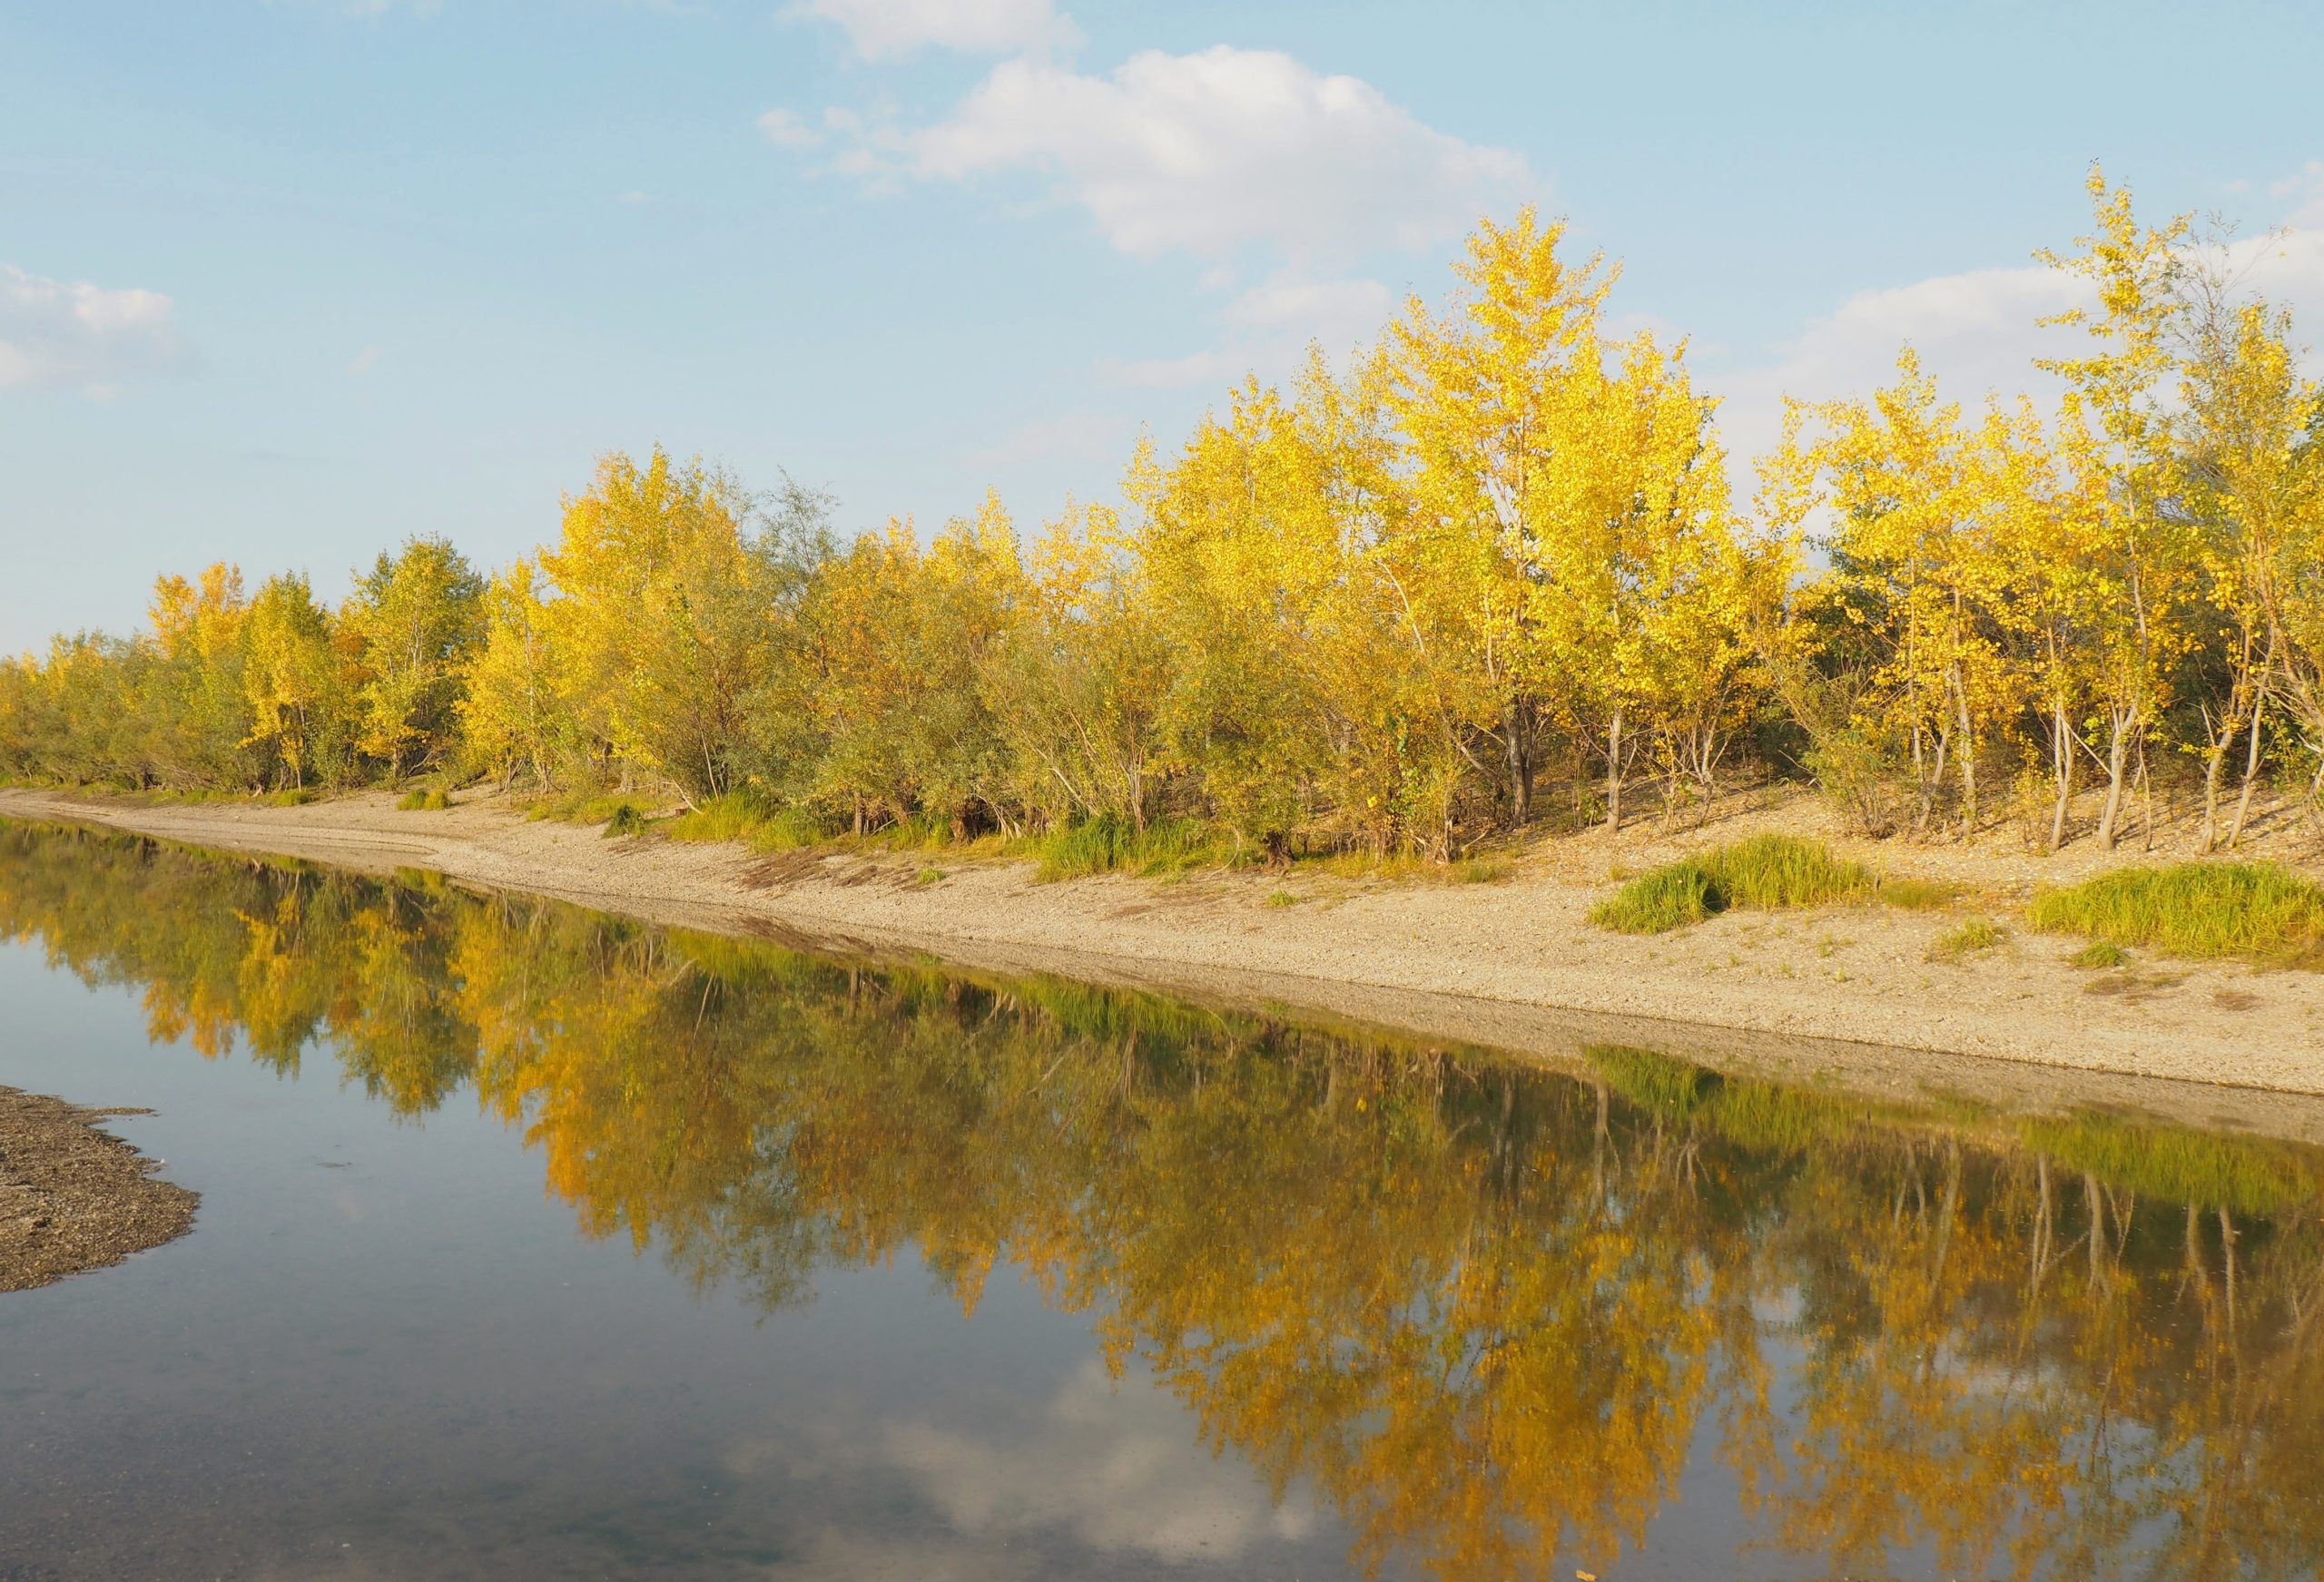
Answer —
537 1242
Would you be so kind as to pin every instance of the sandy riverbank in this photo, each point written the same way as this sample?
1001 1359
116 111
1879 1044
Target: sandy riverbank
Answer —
1513 963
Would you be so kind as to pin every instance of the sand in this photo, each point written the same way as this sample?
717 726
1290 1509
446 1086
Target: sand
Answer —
1513 963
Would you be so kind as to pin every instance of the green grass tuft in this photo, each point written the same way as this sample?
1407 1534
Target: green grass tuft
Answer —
590 807
751 820
1111 846
1973 938
1763 872
2100 953
426 800
627 820
1919 895
2251 911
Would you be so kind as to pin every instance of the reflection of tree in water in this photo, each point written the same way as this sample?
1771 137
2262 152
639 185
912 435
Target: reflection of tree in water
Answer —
1487 1309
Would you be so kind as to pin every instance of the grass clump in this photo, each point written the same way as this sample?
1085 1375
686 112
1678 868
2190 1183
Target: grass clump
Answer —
423 800
1919 895
627 820
929 876
1974 938
751 820
591 806
2251 911
2100 953
1114 846
1764 872
1282 897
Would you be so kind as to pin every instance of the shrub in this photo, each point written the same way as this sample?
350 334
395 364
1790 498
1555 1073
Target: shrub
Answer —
1765 871
627 820
2254 911
429 800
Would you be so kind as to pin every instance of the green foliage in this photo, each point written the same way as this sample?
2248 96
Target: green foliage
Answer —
2251 911
627 820
1766 872
423 800
2100 953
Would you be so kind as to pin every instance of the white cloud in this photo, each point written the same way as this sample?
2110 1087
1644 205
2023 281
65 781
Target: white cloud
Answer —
53 333
785 130
1118 1468
1978 332
879 28
1212 153
365 361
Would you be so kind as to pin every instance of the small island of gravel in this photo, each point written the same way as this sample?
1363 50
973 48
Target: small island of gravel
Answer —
74 1197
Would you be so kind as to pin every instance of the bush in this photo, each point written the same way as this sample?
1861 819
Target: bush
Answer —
431 800
2252 911
1763 872
627 820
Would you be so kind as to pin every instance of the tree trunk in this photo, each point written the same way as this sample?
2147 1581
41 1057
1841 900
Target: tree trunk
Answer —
1968 764
2062 762
2118 754
1516 732
1614 770
2250 773
2214 759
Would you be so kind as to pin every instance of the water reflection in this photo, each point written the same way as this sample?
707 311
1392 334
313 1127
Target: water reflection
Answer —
1494 1316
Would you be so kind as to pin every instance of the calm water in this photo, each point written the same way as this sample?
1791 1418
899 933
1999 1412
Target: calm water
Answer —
538 1243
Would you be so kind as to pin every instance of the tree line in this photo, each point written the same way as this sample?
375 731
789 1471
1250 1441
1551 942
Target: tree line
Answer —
1382 607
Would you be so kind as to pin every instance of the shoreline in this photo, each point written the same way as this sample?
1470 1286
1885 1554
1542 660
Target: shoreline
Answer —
1842 992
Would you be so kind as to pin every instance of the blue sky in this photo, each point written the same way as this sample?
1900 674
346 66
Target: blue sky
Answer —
285 283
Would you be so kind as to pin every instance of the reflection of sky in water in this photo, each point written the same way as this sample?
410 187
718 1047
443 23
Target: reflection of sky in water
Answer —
384 1352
